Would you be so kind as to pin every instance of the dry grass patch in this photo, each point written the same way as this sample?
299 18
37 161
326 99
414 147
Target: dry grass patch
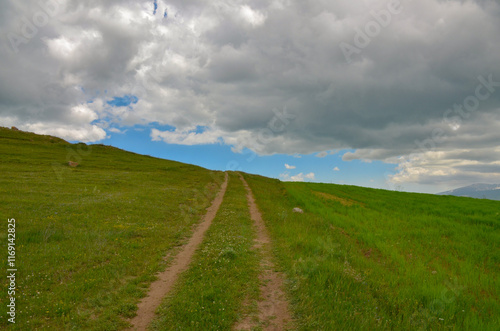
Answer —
327 196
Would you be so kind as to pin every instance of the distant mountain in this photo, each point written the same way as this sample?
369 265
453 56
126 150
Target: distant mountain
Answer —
480 191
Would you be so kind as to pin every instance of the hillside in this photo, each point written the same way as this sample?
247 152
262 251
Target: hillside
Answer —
366 259
91 237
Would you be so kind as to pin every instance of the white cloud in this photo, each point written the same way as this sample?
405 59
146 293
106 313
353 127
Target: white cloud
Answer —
255 18
61 47
186 137
336 169
297 178
322 154
82 114
87 133
451 169
310 176
289 166
115 130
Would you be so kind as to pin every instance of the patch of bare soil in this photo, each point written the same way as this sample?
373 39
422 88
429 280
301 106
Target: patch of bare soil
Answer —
166 279
274 313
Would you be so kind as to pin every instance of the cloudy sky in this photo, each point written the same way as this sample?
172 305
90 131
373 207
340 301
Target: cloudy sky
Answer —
390 94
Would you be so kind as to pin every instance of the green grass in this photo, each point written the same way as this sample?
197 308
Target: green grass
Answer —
90 238
223 273
371 259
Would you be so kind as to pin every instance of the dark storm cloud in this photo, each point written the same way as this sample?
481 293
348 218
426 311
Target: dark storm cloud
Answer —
227 65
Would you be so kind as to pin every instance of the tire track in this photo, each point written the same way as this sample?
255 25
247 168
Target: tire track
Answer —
274 313
167 278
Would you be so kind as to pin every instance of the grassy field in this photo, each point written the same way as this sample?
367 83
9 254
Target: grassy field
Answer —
361 259
90 238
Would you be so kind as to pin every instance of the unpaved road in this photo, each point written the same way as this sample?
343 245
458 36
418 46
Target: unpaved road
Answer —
166 279
274 313
273 307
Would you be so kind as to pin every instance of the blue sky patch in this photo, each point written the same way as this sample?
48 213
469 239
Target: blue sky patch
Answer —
124 101
201 129
328 169
156 7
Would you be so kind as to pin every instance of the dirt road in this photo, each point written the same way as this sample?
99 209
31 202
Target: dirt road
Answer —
274 313
166 279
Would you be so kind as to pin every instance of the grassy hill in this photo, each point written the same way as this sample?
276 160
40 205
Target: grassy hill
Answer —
364 259
90 238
